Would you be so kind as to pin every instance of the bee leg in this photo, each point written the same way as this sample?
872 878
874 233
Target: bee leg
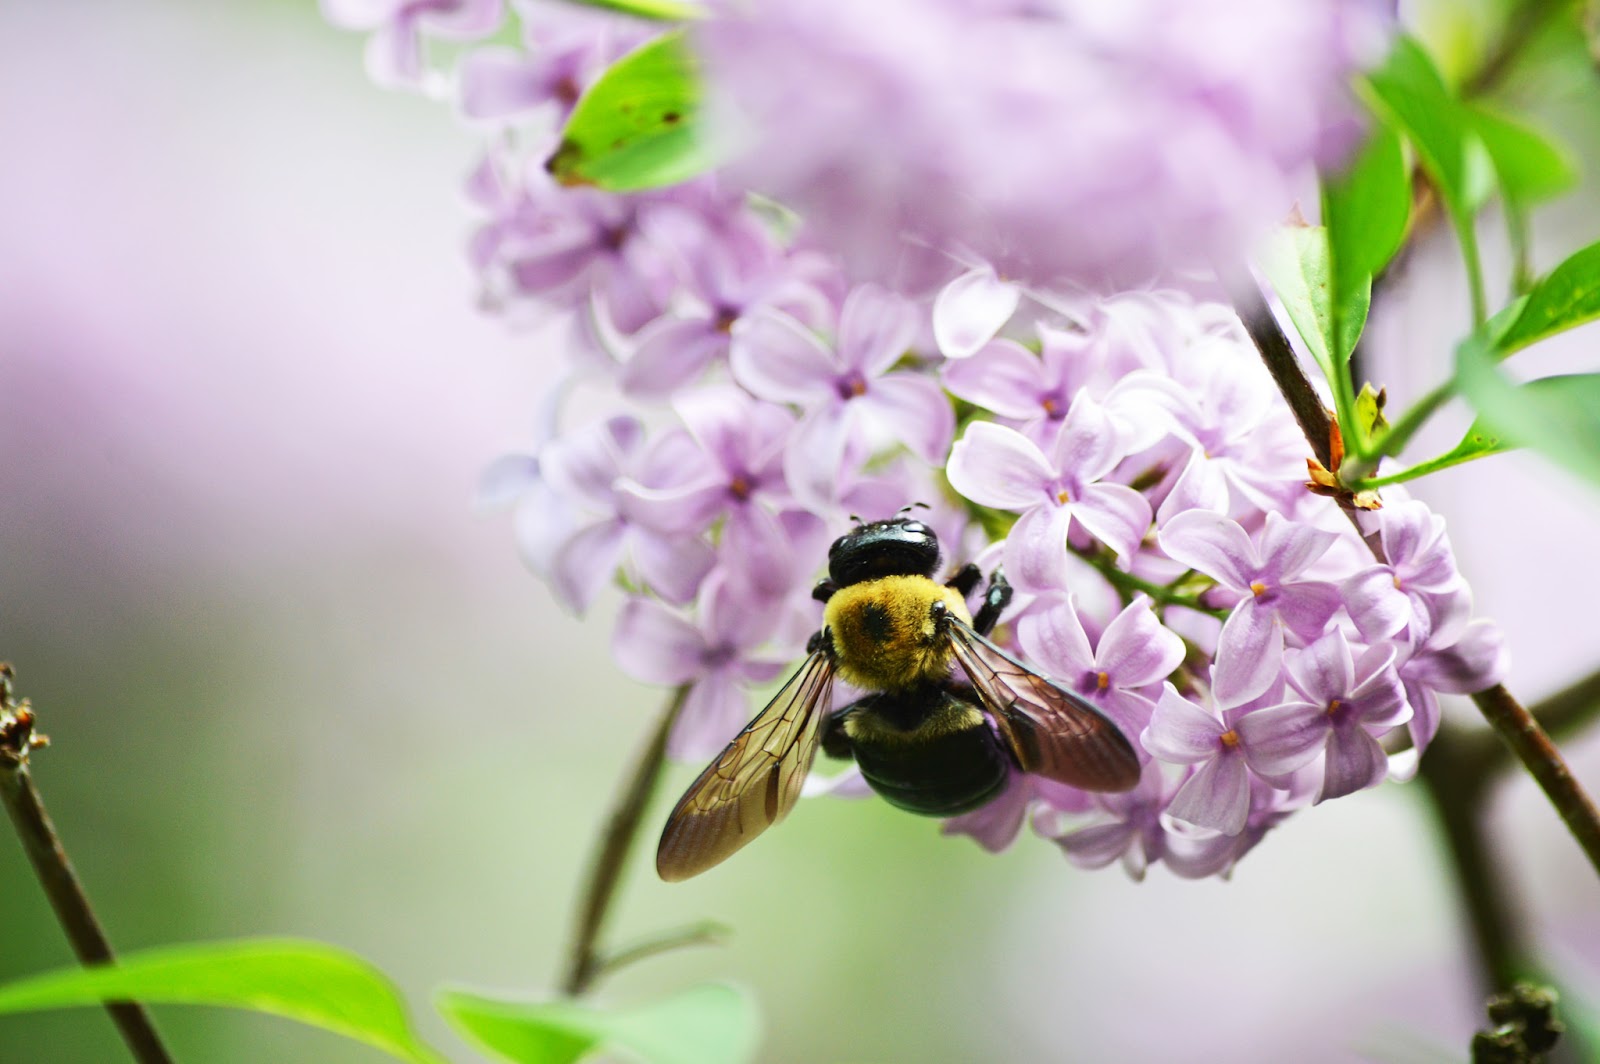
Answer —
965 580
835 740
824 590
818 641
996 597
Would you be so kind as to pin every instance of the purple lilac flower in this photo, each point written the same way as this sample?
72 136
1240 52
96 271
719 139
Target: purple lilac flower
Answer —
715 655
1133 654
1131 830
1272 598
1445 651
394 51
552 72
1000 467
734 271
733 474
585 538
1385 599
1349 700
854 402
1067 139
1228 749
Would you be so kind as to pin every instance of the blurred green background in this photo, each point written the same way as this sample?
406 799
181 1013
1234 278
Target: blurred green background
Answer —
295 685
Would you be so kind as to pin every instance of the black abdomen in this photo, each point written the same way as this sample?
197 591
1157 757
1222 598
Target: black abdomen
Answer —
931 752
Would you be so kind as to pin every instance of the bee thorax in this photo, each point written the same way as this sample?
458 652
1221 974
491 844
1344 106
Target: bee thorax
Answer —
889 633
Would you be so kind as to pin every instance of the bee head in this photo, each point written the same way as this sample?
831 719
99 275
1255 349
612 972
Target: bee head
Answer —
900 546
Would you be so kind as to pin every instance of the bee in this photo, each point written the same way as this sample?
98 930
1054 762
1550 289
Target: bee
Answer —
924 741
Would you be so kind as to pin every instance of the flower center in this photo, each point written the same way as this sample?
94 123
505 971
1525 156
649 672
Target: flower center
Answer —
1063 496
740 487
851 387
1052 408
1230 739
724 319
718 656
1257 588
1103 681
1333 707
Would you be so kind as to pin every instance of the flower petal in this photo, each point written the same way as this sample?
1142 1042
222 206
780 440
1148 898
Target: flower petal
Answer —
671 352
915 410
1136 648
654 644
1283 739
1036 550
777 358
1215 797
996 466
1114 514
1249 654
969 311
876 329
1054 639
714 711
1213 544
1003 377
1180 732
1355 762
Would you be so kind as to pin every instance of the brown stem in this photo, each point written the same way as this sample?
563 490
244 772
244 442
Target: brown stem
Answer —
54 870
584 961
1544 763
1278 354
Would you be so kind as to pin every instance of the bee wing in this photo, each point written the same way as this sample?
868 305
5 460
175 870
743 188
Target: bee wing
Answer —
754 782
1052 732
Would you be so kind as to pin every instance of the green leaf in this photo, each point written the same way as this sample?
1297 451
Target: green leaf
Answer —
710 1024
1528 165
1568 297
310 982
1295 260
657 10
1411 95
1365 209
1558 416
637 127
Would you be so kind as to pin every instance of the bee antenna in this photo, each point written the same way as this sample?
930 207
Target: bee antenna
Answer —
857 520
914 506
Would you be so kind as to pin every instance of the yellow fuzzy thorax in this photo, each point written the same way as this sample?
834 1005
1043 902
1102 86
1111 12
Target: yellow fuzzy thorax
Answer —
884 634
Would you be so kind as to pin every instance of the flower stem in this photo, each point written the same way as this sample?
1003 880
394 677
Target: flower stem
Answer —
54 870
1544 763
585 962
1127 585
1394 441
1278 354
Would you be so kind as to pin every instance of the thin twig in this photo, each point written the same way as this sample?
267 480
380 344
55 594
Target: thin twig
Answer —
1278 354
584 961
1544 763
54 870
704 933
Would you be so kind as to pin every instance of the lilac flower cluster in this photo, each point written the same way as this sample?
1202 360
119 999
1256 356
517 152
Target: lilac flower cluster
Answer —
1057 139
1124 458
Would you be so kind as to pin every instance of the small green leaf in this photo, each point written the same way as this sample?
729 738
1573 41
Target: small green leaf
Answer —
1558 416
1295 260
310 982
710 1024
1568 297
1366 208
1528 165
637 127
657 10
1412 96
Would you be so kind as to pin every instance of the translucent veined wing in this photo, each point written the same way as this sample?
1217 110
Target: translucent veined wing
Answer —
754 782
1052 731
